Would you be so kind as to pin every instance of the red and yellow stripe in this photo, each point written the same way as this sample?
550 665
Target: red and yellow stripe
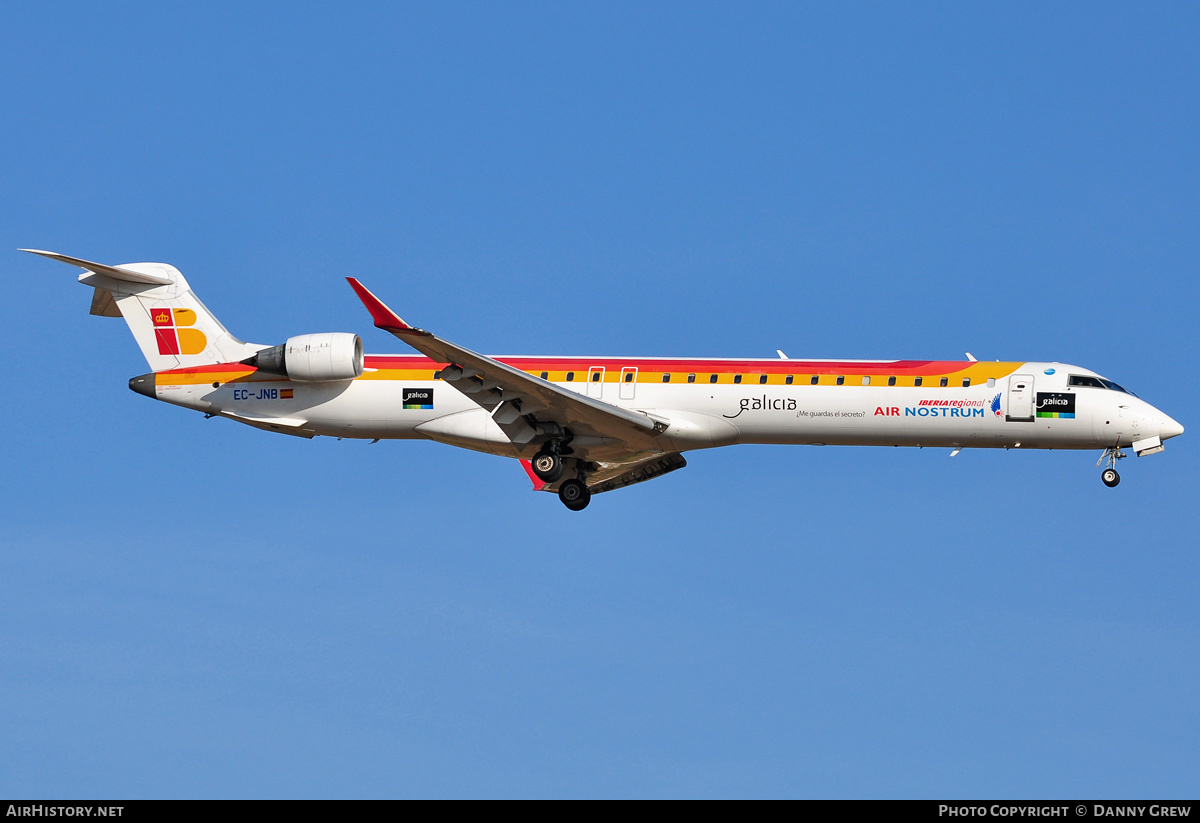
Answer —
649 370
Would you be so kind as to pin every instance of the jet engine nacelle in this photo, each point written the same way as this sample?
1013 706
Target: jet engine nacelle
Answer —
313 358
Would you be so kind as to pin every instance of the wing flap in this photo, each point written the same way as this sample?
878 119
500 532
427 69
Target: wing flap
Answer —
619 475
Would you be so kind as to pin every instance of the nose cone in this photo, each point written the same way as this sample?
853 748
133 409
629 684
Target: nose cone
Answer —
1169 428
144 384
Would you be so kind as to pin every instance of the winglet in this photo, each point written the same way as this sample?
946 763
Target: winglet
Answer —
539 485
384 317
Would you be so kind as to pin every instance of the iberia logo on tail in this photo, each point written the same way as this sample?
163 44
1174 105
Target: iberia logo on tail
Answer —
171 330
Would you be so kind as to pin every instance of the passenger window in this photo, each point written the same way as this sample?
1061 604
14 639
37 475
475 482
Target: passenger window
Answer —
596 376
666 377
628 377
570 376
966 382
691 378
762 378
917 382
812 381
737 378
944 382
991 382
841 381
545 374
891 381
791 378
867 380
712 378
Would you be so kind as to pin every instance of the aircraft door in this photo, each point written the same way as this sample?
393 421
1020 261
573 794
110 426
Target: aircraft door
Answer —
628 382
596 382
1020 397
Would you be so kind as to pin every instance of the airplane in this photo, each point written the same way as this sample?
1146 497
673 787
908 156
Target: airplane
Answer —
586 425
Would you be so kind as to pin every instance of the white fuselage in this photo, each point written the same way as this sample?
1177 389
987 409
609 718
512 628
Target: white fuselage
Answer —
1020 405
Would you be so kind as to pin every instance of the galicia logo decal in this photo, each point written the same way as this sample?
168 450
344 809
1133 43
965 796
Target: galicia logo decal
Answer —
172 332
996 406
417 399
1055 404
761 403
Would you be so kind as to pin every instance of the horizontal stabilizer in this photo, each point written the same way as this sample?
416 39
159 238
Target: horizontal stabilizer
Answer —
115 272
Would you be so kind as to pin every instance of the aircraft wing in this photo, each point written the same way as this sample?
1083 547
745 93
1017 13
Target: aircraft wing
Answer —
493 384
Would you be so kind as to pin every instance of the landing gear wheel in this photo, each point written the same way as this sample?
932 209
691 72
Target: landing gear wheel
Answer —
547 466
574 495
1112 454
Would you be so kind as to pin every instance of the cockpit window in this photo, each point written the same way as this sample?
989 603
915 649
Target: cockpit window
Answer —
1095 383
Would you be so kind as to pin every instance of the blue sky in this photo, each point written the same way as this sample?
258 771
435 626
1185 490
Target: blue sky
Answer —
189 608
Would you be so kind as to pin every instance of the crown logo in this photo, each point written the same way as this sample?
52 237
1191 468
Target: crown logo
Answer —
173 331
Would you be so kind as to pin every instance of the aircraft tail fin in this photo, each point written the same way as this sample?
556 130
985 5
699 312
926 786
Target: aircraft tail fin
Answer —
170 324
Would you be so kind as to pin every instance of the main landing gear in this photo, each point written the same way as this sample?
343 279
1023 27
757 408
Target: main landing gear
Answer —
1109 475
574 494
549 465
548 462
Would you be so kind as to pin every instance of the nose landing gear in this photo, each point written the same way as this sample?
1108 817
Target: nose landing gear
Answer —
1109 475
